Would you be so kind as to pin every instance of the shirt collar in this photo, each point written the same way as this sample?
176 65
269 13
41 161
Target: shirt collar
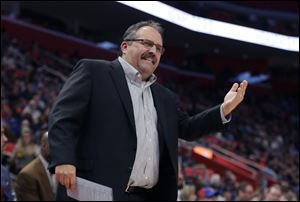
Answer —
133 74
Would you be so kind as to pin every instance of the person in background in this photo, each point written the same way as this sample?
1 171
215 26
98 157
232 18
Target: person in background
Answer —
34 182
274 193
24 152
6 188
245 192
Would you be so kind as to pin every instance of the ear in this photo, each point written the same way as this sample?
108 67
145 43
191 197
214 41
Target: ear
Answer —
123 47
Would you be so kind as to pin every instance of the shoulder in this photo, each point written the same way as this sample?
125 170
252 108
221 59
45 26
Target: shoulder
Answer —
92 63
92 66
32 167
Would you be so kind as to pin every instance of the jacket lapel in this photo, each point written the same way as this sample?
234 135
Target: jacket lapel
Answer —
119 79
165 142
159 106
44 180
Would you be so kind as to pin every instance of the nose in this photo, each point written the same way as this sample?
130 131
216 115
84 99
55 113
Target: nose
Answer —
153 49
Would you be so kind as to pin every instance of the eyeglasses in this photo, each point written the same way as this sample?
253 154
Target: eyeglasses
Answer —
149 44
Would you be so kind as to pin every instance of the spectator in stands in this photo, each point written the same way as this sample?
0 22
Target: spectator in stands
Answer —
180 183
25 151
245 192
34 182
226 195
207 194
290 196
188 193
32 110
273 194
202 174
112 121
6 188
230 181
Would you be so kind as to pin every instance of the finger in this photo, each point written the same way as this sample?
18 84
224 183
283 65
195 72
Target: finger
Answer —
59 175
234 87
72 182
245 82
240 92
60 178
66 180
244 86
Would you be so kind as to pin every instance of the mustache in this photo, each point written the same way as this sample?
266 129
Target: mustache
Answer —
150 55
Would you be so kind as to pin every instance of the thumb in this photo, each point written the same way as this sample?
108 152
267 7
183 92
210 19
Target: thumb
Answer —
234 87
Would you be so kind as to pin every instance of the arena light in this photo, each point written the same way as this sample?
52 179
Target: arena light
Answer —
203 151
214 27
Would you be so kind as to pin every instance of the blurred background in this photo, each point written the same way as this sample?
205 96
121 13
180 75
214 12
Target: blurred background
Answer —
257 158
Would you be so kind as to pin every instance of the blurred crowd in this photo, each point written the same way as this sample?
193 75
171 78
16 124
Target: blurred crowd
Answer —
263 130
250 14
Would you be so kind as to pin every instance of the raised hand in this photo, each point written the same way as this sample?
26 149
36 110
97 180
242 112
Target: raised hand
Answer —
234 97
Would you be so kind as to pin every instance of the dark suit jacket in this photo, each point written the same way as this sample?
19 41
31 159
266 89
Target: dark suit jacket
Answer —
32 183
92 127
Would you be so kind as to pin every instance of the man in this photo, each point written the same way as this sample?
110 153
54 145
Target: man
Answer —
114 125
34 182
245 191
274 193
6 188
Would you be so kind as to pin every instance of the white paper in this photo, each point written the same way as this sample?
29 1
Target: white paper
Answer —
90 191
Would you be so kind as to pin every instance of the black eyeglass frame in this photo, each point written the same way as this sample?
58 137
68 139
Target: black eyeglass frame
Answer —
149 44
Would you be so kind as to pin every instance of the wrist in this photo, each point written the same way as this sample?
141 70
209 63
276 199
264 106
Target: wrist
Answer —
225 109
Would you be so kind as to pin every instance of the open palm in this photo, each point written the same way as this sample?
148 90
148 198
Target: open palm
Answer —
234 97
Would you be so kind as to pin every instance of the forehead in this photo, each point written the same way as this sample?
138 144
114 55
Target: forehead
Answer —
150 33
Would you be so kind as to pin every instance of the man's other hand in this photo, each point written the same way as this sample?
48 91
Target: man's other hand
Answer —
66 175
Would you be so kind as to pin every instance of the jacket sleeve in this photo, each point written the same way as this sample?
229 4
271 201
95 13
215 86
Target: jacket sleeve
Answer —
194 127
67 115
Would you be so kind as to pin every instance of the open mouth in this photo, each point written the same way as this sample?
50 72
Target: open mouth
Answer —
149 57
149 60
